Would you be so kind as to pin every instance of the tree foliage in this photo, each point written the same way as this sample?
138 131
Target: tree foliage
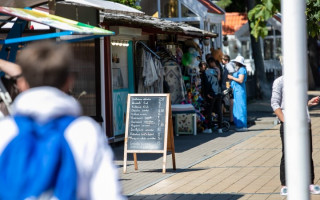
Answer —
259 15
224 3
313 17
131 3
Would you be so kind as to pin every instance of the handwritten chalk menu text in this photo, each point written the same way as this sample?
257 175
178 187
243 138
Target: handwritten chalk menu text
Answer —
146 128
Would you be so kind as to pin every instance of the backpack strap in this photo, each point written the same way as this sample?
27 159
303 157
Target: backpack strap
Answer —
38 160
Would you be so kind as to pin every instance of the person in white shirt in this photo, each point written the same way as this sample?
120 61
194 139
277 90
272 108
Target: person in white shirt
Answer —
277 104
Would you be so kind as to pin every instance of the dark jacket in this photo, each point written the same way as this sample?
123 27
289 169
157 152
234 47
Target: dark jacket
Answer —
206 88
222 74
224 78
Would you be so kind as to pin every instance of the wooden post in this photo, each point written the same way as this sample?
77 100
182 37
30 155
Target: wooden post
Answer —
135 161
171 138
125 156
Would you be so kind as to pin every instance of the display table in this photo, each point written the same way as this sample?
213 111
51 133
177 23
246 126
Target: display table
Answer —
185 121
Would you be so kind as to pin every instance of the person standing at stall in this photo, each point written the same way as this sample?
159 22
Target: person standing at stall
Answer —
228 69
202 71
238 85
212 95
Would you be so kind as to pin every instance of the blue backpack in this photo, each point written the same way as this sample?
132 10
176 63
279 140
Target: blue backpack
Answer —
38 160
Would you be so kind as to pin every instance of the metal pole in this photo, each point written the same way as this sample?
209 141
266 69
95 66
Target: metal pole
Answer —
295 95
159 9
179 11
103 83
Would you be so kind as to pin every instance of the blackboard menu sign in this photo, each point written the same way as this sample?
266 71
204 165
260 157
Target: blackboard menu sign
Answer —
147 119
147 124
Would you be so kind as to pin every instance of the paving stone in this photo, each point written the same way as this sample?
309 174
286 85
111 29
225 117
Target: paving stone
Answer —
236 165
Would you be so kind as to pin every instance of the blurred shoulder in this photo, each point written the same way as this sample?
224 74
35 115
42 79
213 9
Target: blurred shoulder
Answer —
8 130
280 78
84 130
8 125
243 70
278 81
84 126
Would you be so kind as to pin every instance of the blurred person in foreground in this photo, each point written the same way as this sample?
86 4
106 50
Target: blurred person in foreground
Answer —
47 150
277 104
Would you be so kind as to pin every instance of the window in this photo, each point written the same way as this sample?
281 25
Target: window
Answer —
119 67
169 8
245 49
278 48
185 12
268 49
85 87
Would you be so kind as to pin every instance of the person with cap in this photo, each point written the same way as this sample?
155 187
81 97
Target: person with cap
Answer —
238 84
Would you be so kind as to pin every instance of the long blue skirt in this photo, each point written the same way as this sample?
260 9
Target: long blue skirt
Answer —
240 107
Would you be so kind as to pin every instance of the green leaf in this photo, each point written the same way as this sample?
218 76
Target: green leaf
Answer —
251 13
224 3
269 5
254 33
252 25
264 32
267 15
260 13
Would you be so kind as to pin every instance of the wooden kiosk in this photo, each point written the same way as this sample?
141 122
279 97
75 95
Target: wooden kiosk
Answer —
149 127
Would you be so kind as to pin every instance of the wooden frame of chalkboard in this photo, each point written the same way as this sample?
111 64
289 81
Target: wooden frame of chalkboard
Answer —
149 127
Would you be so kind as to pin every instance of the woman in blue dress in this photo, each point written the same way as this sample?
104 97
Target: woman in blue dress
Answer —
238 84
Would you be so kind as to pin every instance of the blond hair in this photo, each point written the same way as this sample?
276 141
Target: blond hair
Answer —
217 54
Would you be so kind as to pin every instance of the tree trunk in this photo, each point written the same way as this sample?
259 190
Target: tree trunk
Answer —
313 58
263 88
311 81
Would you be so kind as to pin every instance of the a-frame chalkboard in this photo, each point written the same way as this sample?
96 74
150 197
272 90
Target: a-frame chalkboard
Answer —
149 127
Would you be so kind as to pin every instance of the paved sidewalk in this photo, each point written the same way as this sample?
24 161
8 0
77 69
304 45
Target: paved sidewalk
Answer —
235 165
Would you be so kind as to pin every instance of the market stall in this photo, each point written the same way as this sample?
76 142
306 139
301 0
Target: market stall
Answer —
16 40
165 58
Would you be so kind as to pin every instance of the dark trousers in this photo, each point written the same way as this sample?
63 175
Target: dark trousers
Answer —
214 105
282 163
